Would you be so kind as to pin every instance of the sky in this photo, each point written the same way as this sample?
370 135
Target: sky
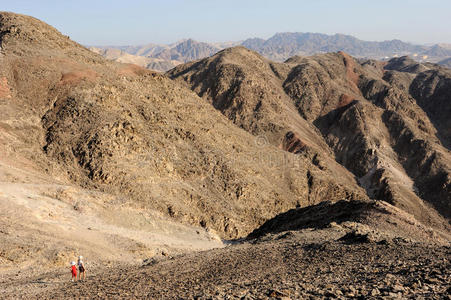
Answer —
134 22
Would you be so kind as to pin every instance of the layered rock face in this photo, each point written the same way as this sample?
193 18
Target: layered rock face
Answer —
386 123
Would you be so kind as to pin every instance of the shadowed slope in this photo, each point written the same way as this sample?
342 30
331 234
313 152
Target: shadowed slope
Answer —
366 217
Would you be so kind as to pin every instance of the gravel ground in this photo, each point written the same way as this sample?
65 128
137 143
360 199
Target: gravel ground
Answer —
284 266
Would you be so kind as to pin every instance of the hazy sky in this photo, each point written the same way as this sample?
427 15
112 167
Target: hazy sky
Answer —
114 22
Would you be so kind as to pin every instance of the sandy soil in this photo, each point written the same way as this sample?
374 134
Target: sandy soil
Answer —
45 224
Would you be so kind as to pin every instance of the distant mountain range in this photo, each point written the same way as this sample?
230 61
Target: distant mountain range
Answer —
279 47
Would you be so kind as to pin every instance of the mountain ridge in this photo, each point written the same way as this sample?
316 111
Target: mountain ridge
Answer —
354 104
284 45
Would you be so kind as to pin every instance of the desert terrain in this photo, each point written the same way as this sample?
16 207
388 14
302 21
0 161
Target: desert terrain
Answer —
229 177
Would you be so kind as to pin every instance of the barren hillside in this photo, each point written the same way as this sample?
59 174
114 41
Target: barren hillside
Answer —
273 162
76 119
335 256
388 124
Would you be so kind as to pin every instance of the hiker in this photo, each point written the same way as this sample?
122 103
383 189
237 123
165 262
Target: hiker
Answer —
81 268
73 269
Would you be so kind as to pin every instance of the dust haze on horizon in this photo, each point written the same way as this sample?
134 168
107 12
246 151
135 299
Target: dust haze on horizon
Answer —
142 22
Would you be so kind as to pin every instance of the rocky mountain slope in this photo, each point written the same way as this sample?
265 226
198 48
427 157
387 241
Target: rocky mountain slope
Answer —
125 165
387 123
138 140
329 260
284 45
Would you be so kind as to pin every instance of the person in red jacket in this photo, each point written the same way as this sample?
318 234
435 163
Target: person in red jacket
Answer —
73 271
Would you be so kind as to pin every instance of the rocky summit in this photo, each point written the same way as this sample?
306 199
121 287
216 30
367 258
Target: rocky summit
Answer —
228 177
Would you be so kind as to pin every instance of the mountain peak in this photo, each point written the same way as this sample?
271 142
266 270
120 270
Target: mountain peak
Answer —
25 28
